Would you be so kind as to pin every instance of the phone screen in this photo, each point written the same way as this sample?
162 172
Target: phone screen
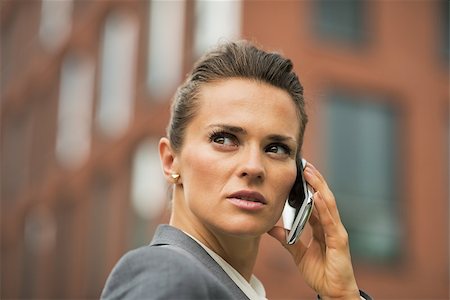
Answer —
298 206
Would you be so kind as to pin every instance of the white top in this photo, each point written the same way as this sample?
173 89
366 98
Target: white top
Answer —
253 289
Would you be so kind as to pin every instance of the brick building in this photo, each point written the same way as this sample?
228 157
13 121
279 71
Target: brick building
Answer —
85 91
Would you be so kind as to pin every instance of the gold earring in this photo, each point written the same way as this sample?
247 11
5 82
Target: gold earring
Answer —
175 177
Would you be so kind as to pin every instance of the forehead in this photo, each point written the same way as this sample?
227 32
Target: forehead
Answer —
248 102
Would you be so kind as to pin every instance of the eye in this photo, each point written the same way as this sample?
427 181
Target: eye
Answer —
280 149
224 138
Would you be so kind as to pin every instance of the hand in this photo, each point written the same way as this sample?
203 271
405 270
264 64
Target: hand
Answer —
325 261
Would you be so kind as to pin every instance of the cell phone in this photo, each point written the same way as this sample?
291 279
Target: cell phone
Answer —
298 206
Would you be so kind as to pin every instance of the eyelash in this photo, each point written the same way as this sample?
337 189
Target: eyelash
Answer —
223 134
286 148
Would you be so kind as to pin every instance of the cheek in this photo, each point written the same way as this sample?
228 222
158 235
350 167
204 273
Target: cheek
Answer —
202 174
283 184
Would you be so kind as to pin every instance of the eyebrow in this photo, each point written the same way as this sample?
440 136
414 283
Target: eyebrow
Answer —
240 130
230 128
281 138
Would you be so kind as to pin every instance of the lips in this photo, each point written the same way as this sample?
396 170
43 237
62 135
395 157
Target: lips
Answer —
250 196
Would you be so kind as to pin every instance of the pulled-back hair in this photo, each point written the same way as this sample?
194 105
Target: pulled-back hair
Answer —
233 60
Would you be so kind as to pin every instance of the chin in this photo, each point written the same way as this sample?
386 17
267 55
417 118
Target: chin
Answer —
244 229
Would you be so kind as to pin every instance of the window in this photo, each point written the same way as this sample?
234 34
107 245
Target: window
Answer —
362 170
118 68
56 22
166 44
73 139
148 191
215 21
340 20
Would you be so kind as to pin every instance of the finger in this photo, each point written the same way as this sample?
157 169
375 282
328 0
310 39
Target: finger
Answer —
279 233
317 181
321 180
335 234
326 219
316 226
297 250
317 229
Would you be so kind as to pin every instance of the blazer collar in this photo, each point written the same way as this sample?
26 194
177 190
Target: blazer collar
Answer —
169 235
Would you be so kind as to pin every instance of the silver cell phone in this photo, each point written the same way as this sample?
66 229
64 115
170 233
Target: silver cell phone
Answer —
299 205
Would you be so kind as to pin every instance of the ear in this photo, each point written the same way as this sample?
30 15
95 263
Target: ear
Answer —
168 158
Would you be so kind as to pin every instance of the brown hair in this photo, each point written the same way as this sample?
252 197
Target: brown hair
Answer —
233 60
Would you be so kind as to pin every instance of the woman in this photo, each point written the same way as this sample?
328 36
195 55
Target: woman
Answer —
235 133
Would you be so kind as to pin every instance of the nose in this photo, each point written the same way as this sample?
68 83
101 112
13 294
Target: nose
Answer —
252 165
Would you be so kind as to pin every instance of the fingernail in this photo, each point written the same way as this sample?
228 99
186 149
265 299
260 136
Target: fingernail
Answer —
307 171
312 166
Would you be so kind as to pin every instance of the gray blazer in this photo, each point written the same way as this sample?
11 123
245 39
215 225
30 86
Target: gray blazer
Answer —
173 266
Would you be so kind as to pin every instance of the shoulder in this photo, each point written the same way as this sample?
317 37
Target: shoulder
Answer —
160 260
160 272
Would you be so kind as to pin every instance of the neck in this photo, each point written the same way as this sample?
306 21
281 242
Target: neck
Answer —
239 252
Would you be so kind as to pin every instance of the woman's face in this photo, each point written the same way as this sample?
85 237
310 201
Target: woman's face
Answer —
237 163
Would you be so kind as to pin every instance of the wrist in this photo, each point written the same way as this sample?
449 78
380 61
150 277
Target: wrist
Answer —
361 295
355 295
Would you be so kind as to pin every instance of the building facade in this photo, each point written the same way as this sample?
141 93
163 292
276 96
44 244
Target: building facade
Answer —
85 96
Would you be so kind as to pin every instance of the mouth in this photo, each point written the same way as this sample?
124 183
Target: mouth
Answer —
250 196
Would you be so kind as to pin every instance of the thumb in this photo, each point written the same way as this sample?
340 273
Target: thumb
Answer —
297 250
279 233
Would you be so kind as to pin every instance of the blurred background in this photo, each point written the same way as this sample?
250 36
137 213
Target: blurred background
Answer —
85 95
